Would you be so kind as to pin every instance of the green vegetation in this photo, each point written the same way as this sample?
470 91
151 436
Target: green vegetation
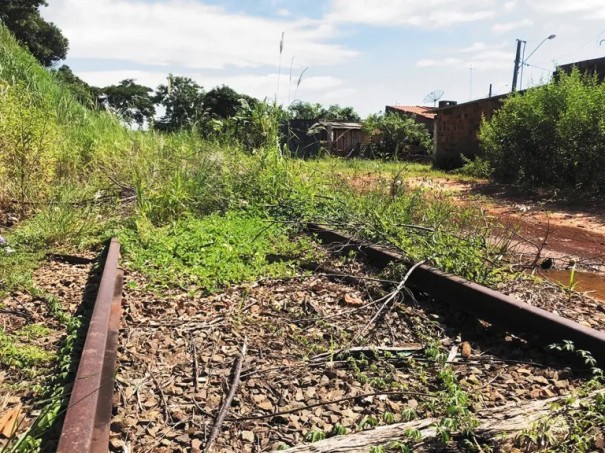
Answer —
200 209
575 424
300 110
550 136
394 136
209 253
133 102
43 39
20 355
475 168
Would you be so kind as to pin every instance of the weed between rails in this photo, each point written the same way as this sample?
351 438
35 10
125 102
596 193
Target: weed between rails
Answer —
212 252
577 423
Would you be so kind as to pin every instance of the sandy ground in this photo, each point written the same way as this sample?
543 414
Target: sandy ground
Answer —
567 230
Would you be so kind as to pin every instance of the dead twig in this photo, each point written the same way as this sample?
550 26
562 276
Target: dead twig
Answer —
196 372
325 403
239 362
162 396
367 351
21 314
388 300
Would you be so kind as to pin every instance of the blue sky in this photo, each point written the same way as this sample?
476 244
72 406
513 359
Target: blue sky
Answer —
363 53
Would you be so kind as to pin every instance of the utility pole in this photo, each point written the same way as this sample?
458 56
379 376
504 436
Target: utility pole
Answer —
517 65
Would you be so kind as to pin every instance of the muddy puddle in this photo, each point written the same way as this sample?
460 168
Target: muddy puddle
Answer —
590 282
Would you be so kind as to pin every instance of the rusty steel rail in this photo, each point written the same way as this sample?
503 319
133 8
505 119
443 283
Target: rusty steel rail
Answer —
88 416
484 303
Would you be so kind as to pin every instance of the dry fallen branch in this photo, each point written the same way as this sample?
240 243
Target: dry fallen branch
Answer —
388 300
162 395
239 362
498 421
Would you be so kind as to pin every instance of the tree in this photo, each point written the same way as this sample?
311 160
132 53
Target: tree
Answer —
43 39
224 102
133 102
300 110
84 92
337 113
183 100
394 136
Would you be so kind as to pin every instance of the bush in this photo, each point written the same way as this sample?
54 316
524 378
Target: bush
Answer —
394 136
28 141
476 167
552 135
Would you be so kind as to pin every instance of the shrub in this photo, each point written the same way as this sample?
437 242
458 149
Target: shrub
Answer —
394 136
28 143
552 135
476 167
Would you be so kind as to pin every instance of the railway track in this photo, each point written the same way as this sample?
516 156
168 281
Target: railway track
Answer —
87 419
87 422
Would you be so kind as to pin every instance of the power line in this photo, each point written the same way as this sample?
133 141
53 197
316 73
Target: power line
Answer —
538 67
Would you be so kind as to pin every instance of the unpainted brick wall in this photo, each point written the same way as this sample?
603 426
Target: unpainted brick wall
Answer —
456 127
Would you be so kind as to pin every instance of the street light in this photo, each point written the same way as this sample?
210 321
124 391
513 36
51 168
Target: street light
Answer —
522 61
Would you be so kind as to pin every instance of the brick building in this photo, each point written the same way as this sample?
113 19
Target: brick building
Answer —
457 126
419 113
594 66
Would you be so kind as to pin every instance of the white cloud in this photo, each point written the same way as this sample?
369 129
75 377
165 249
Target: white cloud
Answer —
283 12
426 13
509 6
427 63
509 26
188 33
594 8
478 55
481 47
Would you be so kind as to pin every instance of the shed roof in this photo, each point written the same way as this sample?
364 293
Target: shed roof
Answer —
340 124
419 110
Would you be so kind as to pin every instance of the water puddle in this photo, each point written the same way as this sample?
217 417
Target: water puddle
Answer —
584 281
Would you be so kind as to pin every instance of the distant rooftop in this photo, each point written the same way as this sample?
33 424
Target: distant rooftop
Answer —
341 125
419 110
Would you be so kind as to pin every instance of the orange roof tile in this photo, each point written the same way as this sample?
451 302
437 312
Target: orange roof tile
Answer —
415 109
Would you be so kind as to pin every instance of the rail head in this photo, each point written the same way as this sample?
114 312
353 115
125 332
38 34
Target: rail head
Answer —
86 424
499 309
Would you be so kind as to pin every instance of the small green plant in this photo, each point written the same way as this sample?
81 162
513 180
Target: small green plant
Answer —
571 287
368 422
33 331
315 435
377 449
19 355
408 414
338 430
211 252
388 417
576 423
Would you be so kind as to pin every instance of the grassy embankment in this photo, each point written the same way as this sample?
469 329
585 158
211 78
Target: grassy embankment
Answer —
197 213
